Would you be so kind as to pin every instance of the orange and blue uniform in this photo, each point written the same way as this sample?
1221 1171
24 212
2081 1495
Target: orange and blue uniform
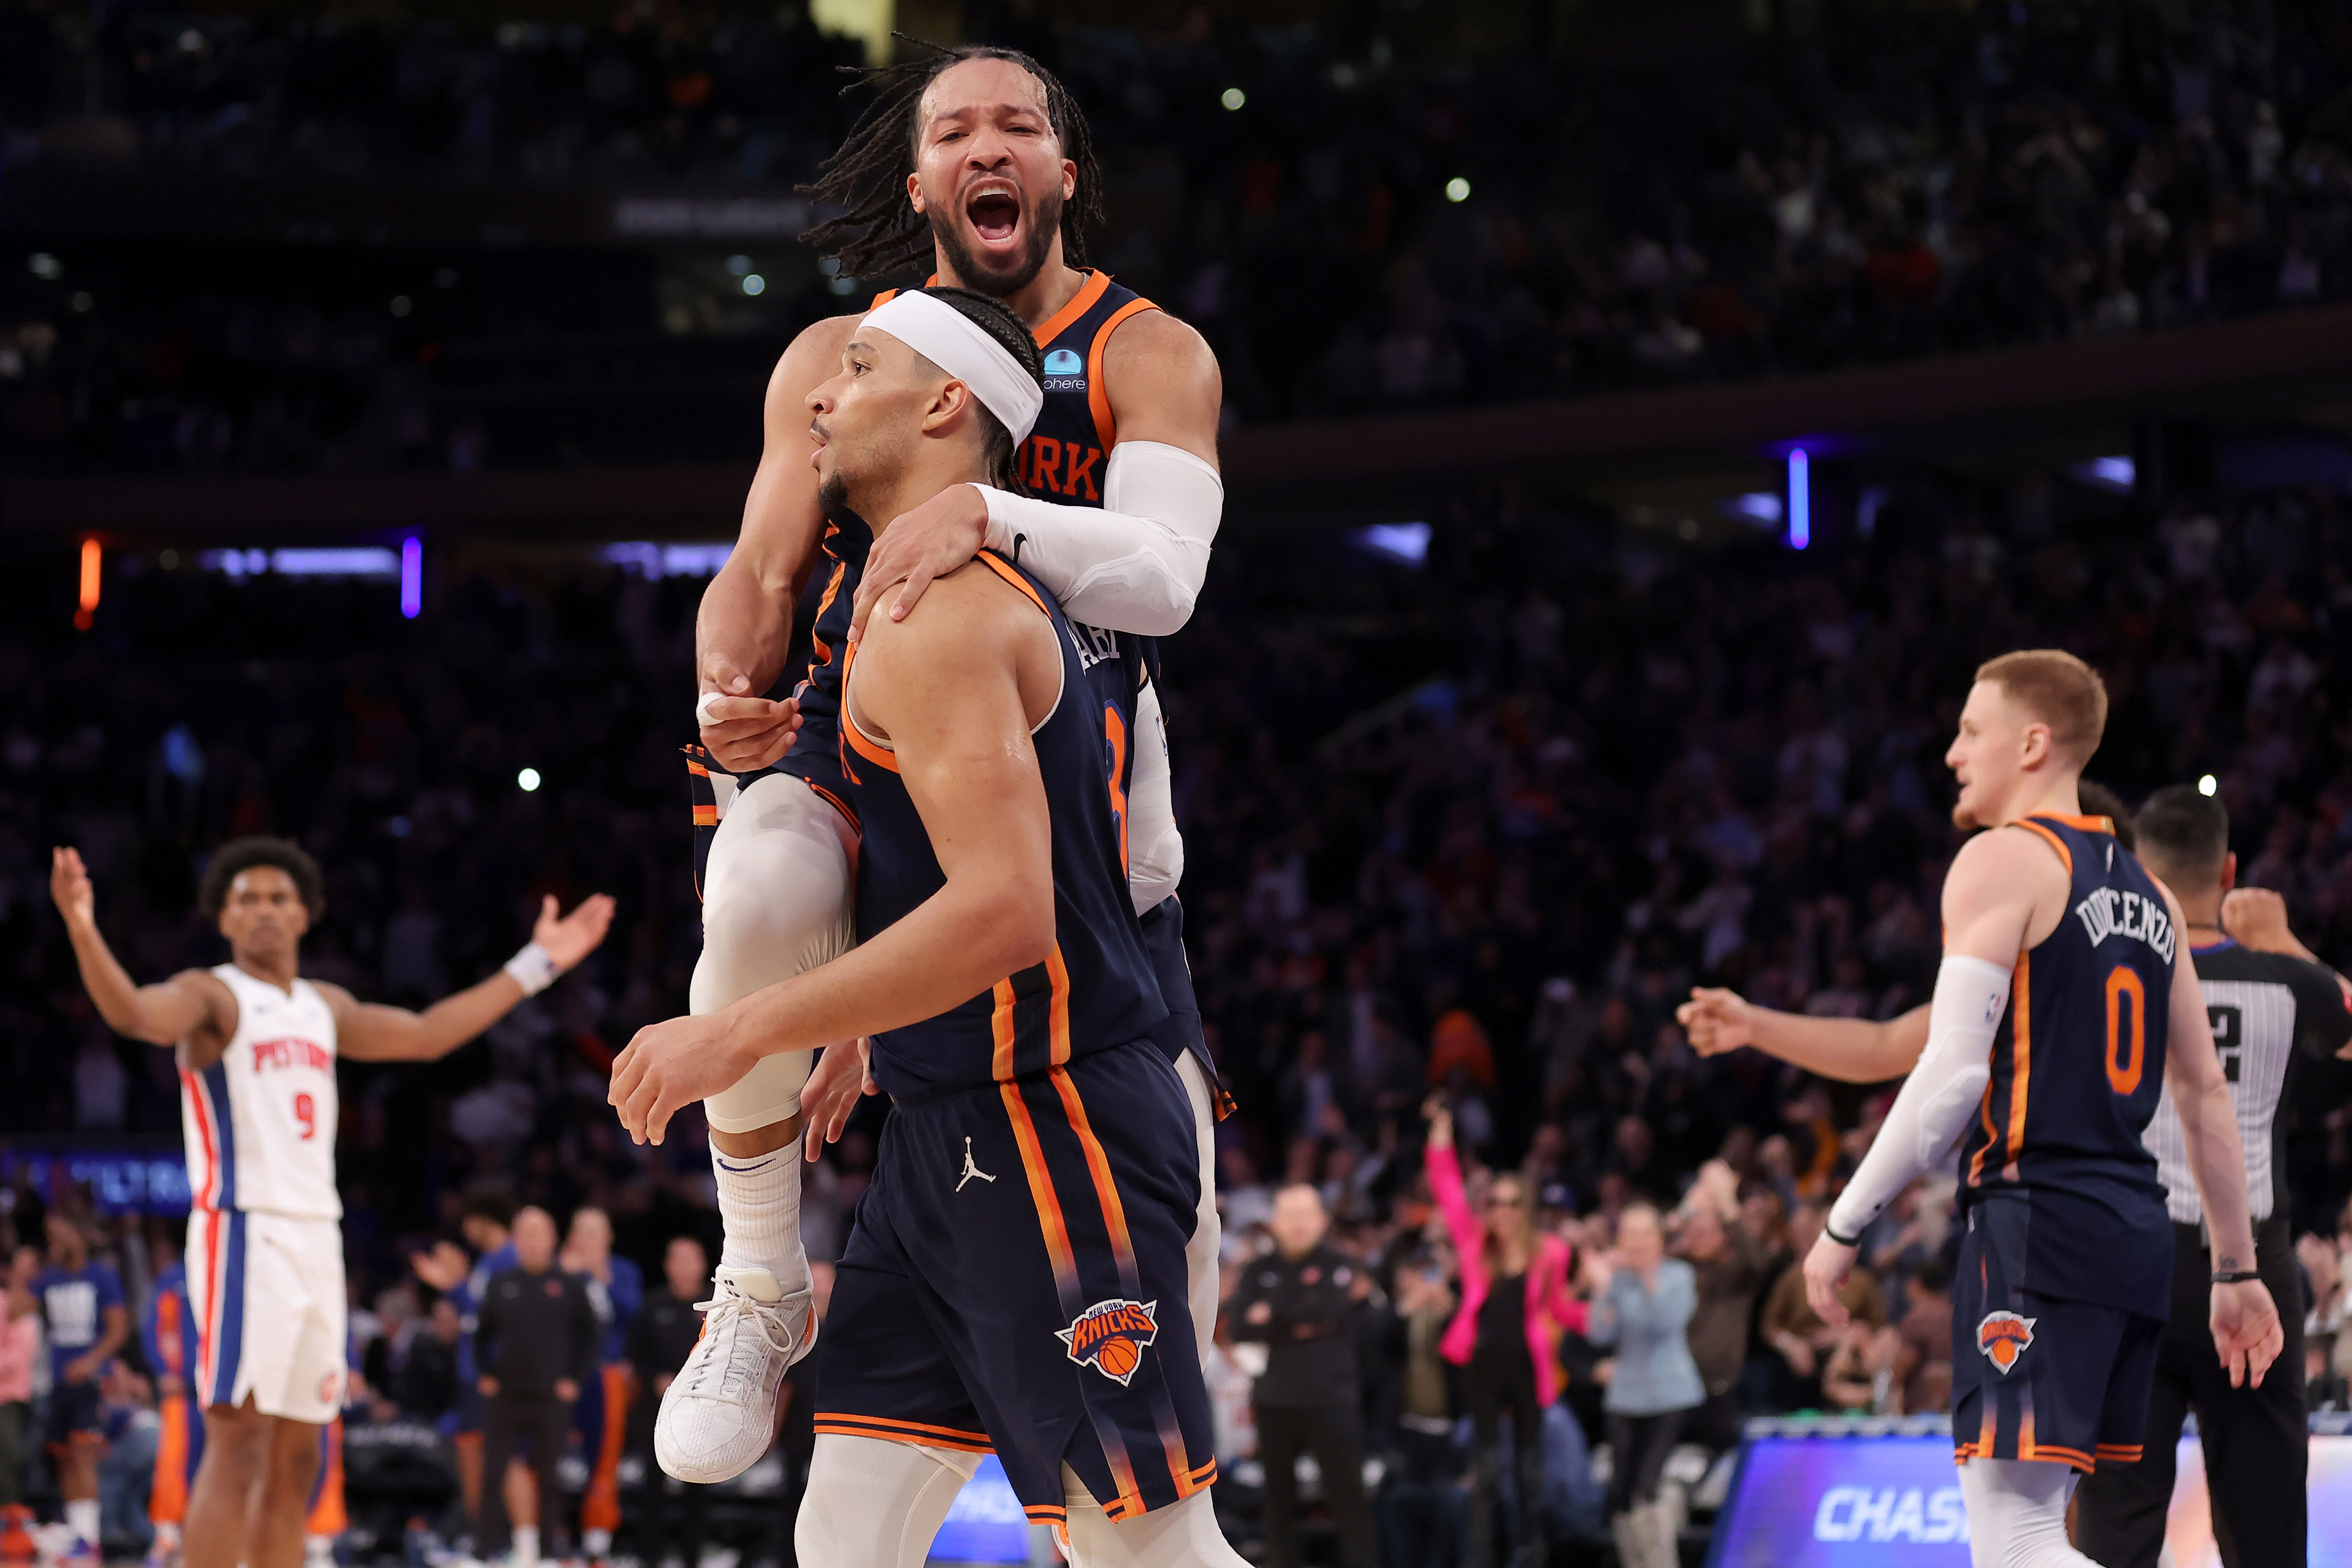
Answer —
2065 1272
1015 1278
1062 460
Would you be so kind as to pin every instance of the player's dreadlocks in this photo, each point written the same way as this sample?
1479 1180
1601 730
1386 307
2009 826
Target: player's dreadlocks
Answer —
996 318
881 232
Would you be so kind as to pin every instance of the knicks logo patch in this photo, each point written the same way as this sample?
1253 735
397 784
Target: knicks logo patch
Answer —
1110 1336
2003 1337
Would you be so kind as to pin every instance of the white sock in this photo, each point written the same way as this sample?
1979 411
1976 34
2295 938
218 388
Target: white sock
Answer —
760 1206
82 1514
595 1542
525 1544
2016 1514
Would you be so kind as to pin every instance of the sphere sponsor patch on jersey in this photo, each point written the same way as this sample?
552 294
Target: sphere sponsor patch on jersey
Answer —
1110 1336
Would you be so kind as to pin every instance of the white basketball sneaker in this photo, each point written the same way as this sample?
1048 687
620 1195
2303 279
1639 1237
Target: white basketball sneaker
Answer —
719 1415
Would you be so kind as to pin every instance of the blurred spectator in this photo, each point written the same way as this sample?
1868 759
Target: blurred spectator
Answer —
1302 1301
1923 1364
535 1345
1728 1265
675 1514
1423 1520
1642 1307
20 1347
1514 1304
1794 1332
617 1290
126 1471
424 1379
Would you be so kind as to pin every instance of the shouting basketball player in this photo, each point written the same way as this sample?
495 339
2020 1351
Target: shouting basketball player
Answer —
1013 1275
256 1047
976 160
2061 1016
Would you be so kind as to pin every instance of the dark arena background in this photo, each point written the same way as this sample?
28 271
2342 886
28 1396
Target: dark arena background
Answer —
1639 422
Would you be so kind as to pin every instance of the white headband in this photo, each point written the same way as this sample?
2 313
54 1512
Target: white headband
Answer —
953 341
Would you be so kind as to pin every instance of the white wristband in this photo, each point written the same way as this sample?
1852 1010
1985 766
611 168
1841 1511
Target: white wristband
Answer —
532 969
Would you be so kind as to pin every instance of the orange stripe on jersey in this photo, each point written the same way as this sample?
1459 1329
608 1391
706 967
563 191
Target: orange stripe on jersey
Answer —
1114 1213
996 563
2105 825
697 769
2020 1068
1055 325
2065 856
1040 1191
1097 395
872 750
821 651
1057 1015
1992 1135
883 1427
1002 1028
838 804
705 816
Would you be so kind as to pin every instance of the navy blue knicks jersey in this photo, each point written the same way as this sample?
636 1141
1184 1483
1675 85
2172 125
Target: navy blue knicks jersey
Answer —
2077 1071
1061 461
1097 989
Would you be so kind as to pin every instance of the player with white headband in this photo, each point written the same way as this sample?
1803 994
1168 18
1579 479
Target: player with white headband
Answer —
976 160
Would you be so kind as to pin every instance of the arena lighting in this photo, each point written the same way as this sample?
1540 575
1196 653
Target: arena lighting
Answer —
1233 98
2208 784
527 780
332 561
1458 189
1800 499
754 284
2108 473
1404 542
93 561
1761 507
412 577
659 561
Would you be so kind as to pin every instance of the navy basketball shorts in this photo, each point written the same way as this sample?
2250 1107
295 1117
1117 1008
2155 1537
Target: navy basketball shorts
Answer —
2035 1376
1015 1281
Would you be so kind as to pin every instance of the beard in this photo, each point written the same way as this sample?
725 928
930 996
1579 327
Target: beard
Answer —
1043 224
832 499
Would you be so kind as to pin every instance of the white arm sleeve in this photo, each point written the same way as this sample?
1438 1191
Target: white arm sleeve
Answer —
1134 565
1155 850
1933 1110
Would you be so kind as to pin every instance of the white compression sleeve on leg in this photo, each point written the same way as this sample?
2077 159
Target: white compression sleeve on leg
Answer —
875 1504
1201 1276
777 899
2017 1513
1138 563
1932 1111
1155 849
1181 1535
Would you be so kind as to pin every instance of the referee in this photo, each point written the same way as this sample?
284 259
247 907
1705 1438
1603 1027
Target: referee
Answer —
2268 1002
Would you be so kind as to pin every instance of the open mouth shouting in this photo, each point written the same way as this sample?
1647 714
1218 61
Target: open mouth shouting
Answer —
993 206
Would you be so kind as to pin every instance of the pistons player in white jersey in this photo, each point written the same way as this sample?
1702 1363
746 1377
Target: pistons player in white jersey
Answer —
256 1047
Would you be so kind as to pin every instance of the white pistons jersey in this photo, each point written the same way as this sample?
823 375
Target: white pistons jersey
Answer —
260 1121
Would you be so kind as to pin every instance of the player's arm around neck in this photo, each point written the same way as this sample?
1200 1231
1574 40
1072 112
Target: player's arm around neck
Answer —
955 690
2004 892
1137 563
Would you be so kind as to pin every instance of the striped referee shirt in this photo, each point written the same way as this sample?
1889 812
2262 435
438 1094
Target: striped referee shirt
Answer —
2264 1006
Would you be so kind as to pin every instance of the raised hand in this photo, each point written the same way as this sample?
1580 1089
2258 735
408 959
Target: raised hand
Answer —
574 937
69 886
2256 917
444 1267
742 730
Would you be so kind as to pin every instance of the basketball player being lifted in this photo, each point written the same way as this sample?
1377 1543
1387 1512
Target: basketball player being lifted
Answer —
1011 1007
2061 1016
977 160
256 1047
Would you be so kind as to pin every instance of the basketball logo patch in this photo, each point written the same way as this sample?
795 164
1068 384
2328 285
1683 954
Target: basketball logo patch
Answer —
2003 1337
1110 1336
